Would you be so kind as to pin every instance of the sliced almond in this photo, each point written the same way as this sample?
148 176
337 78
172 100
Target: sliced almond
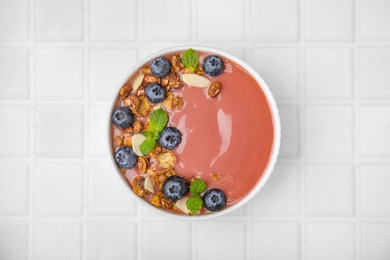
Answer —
138 80
149 184
196 80
181 204
136 141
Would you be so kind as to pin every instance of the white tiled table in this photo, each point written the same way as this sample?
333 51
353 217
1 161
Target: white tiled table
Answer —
327 62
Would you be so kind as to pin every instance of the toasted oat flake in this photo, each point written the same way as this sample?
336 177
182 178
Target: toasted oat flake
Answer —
176 63
128 141
160 176
128 130
142 164
156 152
214 89
146 70
123 170
168 102
138 186
215 176
140 106
137 126
150 79
125 91
160 201
166 159
118 140
178 103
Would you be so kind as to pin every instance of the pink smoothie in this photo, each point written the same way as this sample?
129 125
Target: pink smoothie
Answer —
231 134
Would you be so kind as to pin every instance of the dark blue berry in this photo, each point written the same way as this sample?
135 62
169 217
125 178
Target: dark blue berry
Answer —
214 200
122 117
160 67
174 188
213 65
126 157
170 138
155 93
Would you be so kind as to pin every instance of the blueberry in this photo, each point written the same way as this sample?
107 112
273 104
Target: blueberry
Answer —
174 188
213 65
126 157
170 138
214 200
155 93
122 117
160 67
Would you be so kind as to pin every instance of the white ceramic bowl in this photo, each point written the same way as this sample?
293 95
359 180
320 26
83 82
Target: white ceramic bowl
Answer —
276 141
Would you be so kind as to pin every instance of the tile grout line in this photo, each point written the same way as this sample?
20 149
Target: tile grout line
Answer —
302 95
357 131
86 80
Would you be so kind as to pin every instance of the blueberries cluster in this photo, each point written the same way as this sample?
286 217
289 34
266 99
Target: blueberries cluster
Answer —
176 187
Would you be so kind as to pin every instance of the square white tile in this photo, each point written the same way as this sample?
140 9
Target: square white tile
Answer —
14 239
329 21
15 135
113 20
108 69
14 188
374 73
329 73
334 241
57 239
329 131
374 241
14 76
108 197
221 21
59 131
154 247
290 146
59 20
374 20
375 193
330 190
14 20
162 24
59 74
374 129
97 136
268 237
271 62
274 21
58 189
110 239
280 196
229 236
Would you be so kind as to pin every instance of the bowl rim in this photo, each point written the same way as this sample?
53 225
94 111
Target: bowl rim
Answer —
276 131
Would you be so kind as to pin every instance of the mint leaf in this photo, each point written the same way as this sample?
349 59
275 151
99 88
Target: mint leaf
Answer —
158 120
194 204
190 59
148 134
148 145
198 186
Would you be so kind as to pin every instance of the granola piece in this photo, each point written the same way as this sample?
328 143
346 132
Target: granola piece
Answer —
214 89
127 141
128 130
146 70
176 63
119 140
160 201
178 103
151 169
156 151
150 79
127 102
141 106
199 70
138 186
164 82
125 91
193 179
187 71
215 176
123 170
137 126
168 101
140 91
166 159
160 176
142 164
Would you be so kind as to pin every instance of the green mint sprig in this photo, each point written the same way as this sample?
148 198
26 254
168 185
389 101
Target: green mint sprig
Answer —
190 59
157 121
194 203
